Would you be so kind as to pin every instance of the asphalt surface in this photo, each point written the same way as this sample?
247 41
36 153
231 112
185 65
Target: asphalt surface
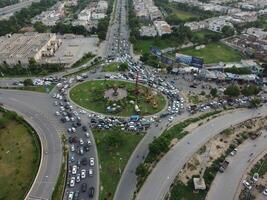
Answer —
127 183
163 175
8 11
34 107
225 185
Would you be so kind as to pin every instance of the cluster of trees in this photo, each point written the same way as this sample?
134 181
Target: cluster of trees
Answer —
33 68
235 70
123 67
233 90
134 24
102 27
228 31
68 28
23 17
4 3
206 37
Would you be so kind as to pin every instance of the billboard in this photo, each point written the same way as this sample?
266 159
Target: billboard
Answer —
189 60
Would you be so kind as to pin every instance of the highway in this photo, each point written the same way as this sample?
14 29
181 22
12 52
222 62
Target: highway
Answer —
8 11
163 175
35 108
225 185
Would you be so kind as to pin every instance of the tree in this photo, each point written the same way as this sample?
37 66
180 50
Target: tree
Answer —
232 91
28 82
213 92
141 170
250 90
228 31
40 27
255 103
123 67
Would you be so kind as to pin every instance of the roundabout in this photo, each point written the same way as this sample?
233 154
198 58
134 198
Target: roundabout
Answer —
120 98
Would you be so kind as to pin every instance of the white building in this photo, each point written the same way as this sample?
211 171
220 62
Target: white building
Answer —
149 31
162 27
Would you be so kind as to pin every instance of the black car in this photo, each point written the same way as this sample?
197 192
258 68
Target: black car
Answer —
84 161
84 187
63 120
91 192
84 128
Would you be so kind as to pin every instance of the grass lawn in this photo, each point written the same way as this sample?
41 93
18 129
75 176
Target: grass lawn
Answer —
183 15
90 95
113 160
214 53
19 159
113 67
142 46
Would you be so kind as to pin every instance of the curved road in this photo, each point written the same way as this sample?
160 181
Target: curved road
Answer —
36 109
163 175
233 175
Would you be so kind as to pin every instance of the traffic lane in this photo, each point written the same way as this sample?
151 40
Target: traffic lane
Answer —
225 185
51 162
127 183
158 182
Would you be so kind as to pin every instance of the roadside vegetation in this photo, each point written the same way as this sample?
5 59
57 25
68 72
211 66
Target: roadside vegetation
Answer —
116 67
4 3
19 156
114 149
90 95
161 145
33 69
86 58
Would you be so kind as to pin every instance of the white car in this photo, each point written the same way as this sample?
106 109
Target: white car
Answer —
72 148
265 192
83 173
90 172
81 141
74 169
57 113
233 152
72 182
78 178
170 119
89 141
247 184
70 197
87 134
92 161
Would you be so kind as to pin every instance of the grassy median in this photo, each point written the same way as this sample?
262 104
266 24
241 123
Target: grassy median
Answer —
114 149
19 156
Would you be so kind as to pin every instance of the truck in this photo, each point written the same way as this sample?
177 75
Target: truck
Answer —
223 166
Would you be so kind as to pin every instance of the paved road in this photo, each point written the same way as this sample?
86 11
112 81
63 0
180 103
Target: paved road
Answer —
8 11
225 184
34 107
127 184
159 181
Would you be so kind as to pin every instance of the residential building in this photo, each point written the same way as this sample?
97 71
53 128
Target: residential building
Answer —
162 27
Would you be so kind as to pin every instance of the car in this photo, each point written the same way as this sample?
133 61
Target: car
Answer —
87 134
91 192
84 161
76 195
70 196
88 142
81 141
84 187
87 147
74 169
170 119
92 161
233 152
57 113
255 177
83 173
72 182
72 147
90 172
78 178
247 184
265 192
84 128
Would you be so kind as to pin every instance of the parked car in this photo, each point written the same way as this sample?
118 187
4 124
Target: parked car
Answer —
70 196
247 184
92 161
91 192
72 182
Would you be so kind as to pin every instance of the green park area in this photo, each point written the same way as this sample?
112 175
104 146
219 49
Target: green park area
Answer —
142 45
214 53
114 149
115 67
184 15
19 156
99 96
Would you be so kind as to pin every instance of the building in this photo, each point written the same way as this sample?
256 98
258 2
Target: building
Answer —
19 48
102 6
148 31
218 24
162 27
